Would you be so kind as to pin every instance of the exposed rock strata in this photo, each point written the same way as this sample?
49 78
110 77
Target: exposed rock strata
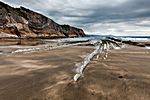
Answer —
22 22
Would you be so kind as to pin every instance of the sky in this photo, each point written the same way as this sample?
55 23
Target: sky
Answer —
103 17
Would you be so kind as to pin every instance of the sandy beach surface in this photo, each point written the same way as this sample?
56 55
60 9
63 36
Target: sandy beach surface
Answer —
48 75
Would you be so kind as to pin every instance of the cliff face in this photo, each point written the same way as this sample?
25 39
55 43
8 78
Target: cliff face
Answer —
22 22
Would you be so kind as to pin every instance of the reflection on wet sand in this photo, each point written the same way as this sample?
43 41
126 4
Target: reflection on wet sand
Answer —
8 42
48 74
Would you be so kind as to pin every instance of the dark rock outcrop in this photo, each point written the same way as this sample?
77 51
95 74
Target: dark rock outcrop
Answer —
22 22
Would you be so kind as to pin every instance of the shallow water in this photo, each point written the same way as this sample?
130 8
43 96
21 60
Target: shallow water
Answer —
12 45
25 45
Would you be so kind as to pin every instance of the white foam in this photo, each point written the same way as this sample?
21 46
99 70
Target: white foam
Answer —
1 53
27 50
136 39
147 47
69 39
117 48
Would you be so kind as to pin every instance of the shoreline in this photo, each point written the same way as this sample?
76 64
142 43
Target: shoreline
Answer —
48 75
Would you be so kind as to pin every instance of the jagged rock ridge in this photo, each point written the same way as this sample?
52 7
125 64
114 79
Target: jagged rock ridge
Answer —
22 22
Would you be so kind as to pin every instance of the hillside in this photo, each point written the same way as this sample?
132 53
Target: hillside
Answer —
22 22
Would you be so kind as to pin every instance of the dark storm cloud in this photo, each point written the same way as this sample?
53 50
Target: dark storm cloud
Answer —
128 11
90 14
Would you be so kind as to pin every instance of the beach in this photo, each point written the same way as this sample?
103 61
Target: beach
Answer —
48 75
74 50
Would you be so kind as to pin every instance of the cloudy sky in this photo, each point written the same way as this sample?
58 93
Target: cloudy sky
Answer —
104 17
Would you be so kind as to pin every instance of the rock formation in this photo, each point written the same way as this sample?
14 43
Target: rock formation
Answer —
24 23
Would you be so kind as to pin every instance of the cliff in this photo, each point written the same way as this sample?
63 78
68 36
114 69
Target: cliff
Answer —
22 22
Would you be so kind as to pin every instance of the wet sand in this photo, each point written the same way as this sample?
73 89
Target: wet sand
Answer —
124 75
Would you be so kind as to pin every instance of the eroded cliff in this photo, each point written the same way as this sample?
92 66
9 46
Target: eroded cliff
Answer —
22 22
